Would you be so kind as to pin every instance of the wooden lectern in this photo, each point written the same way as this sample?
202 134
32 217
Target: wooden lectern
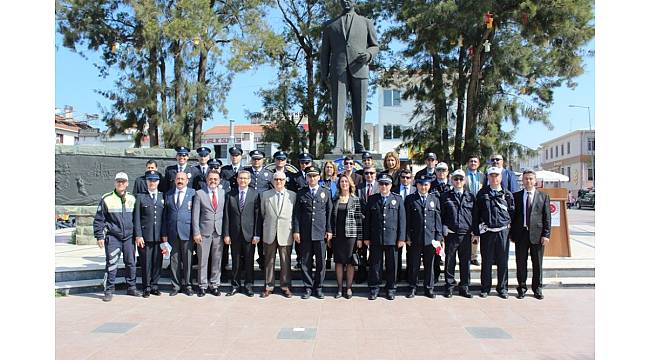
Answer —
559 245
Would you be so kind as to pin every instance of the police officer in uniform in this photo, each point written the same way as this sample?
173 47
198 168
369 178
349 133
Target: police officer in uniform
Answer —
492 213
366 161
457 205
431 161
440 183
261 180
201 169
223 183
305 161
169 181
229 172
424 234
384 230
115 214
147 223
311 227
140 185
280 158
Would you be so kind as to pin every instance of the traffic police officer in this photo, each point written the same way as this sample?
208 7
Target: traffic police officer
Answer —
229 172
424 234
456 206
441 183
201 169
169 181
147 224
384 230
311 227
492 213
115 214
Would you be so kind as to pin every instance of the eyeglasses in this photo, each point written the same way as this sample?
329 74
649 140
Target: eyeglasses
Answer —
384 184
443 170
405 177
182 155
458 179
496 159
369 173
348 163
279 179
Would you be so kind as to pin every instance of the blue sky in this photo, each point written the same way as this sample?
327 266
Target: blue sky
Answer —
76 80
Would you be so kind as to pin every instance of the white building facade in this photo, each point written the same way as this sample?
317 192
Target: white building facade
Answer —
393 118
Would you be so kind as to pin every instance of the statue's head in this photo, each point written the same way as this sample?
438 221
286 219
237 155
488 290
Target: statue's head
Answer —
347 5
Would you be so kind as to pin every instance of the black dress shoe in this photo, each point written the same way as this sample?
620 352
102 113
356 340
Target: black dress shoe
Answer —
520 294
448 294
108 296
411 294
319 294
390 296
539 296
372 296
173 293
503 295
188 291
466 294
475 263
483 294
430 294
248 292
232 292
133 292
306 295
145 294
155 292
339 294
200 292
214 292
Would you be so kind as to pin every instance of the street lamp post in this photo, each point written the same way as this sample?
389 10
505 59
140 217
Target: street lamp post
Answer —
593 151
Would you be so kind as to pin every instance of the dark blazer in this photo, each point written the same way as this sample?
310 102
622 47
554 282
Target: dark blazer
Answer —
140 185
353 219
311 214
411 190
362 193
385 225
242 225
260 182
540 217
169 180
178 220
300 182
228 174
199 179
423 221
148 217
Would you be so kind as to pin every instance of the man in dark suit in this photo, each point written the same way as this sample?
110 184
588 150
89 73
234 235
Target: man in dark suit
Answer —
349 43
240 221
169 181
348 169
384 230
424 234
229 172
177 229
201 169
147 227
508 177
311 227
531 231
140 186
367 188
260 182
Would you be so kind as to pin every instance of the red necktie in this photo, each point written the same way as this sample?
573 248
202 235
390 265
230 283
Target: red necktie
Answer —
214 200
369 191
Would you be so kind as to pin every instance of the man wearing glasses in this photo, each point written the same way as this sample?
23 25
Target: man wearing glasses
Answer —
348 169
311 227
368 186
508 177
366 161
384 231
182 155
440 183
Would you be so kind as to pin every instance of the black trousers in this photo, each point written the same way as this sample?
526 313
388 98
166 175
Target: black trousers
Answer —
494 250
379 254
181 263
460 244
437 270
260 254
243 254
310 249
416 255
523 246
151 264
400 251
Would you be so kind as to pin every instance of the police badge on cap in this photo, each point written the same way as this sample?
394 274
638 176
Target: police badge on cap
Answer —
235 151
256 154
423 179
152 175
203 151
280 155
385 178
182 150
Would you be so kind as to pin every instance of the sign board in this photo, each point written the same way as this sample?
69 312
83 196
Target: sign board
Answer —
555 213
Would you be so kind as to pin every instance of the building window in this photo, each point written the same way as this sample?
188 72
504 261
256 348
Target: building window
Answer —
220 151
59 138
562 171
591 144
568 172
551 153
392 132
392 97
555 150
590 174
562 150
546 155
568 148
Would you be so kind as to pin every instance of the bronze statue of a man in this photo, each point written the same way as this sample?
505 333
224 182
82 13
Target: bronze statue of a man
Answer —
349 44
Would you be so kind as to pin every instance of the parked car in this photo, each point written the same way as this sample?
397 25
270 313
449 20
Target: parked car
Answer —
587 200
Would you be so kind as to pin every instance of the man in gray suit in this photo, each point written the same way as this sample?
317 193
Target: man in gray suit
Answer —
349 44
207 223
276 208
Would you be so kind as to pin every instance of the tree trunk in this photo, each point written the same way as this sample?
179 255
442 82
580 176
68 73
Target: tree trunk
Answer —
460 109
440 109
152 106
201 94
163 92
308 106
178 80
471 143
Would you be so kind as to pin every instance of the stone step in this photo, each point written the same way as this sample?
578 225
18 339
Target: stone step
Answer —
329 286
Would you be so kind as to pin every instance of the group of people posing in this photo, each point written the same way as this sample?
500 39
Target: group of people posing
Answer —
363 219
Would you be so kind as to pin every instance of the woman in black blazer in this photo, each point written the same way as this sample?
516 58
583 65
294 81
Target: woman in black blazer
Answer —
347 227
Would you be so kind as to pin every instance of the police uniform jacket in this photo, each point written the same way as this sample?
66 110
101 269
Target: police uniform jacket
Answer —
312 213
230 175
178 219
300 181
140 185
116 215
169 180
385 225
440 186
423 220
261 181
457 213
148 216
200 179
494 208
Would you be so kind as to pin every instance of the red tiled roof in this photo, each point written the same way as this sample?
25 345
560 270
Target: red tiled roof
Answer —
225 129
